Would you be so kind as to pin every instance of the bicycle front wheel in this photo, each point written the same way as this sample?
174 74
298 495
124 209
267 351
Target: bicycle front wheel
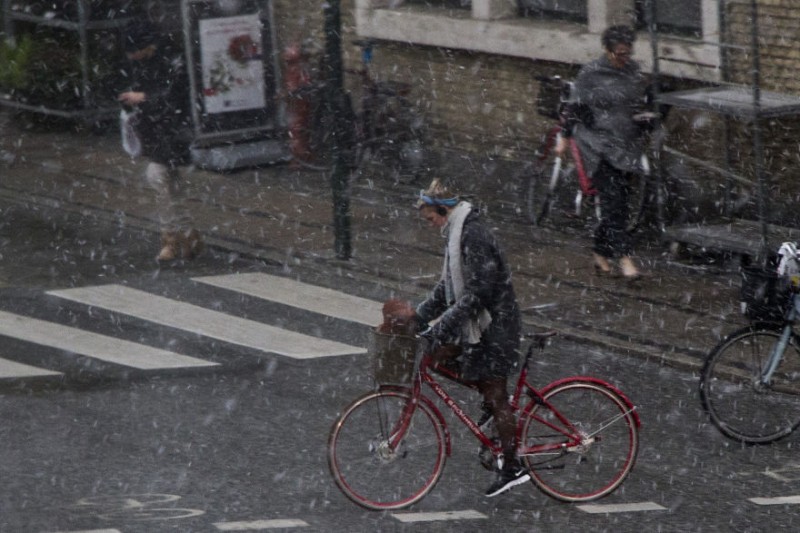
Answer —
740 404
365 467
591 458
545 180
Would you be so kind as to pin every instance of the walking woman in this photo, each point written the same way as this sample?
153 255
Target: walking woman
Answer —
611 91
159 91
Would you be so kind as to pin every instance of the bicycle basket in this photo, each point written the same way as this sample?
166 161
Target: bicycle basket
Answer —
764 294
551 95
393 357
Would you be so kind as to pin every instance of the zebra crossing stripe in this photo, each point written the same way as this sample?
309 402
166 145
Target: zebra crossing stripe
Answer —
12 369
301 295
205 322
94 345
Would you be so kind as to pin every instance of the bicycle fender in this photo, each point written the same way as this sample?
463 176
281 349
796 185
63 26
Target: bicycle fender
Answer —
596 381
428 403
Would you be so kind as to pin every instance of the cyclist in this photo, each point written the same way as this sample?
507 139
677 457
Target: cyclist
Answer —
610 91
477 310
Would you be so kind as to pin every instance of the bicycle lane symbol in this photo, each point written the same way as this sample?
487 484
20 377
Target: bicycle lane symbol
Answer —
137 507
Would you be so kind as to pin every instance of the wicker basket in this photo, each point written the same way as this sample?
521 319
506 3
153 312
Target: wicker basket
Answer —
393 357
550 97
764 294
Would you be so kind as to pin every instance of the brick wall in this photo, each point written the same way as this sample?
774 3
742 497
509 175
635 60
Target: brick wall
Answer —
779 51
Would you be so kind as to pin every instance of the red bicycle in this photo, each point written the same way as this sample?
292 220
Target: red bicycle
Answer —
578 436
550 170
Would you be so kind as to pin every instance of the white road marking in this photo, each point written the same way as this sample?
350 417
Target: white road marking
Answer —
12 369
778 500
621 507
90 531
434 517
301 295
94 345
260 525
205 322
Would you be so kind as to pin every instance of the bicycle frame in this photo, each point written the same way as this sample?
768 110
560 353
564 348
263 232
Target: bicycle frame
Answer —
424 362
777 352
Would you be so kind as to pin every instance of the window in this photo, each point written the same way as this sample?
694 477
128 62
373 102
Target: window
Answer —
571 10
448 4
678 17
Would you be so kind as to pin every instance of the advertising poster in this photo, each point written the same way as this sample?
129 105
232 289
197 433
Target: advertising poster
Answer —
231 58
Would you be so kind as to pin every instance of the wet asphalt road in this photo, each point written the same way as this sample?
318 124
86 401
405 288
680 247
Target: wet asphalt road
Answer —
192 451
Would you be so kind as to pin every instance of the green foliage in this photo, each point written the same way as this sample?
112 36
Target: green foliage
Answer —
43 67
15 59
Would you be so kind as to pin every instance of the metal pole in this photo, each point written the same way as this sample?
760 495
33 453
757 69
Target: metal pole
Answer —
758 149
658 175
335 98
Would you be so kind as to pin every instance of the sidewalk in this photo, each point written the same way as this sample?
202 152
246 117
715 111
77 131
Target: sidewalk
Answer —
283 217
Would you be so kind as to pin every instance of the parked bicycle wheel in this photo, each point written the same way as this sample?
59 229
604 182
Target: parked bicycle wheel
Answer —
367 470
546 179
605 454
733 394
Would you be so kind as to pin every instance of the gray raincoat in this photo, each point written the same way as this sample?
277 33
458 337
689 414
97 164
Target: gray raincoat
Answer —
612 96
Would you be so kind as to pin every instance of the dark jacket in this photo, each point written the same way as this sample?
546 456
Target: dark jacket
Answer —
611 96
487 285
164 125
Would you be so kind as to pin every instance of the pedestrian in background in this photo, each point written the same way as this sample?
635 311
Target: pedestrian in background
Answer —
475 309
159 92
610 92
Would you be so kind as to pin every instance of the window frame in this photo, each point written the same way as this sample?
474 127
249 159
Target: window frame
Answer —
494 27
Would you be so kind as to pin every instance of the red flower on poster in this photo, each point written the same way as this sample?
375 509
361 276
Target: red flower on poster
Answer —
242 48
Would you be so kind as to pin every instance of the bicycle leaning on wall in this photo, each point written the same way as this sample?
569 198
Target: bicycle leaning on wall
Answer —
389 130
750 381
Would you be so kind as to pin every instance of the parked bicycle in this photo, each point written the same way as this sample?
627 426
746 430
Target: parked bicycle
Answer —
578 436
555 181
389 130
750 381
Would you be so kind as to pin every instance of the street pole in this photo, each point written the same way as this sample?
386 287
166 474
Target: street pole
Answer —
335 99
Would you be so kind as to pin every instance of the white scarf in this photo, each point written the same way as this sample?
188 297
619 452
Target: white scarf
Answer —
453 272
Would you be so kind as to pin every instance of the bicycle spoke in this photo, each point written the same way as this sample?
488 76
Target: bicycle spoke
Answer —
733 393
594 456
368 470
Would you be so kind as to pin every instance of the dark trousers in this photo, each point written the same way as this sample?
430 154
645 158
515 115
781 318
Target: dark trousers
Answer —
611 237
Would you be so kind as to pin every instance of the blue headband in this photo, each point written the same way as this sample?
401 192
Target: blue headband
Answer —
447 202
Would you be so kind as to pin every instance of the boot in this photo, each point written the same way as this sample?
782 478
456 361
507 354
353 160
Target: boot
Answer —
192 244
629 270
170 246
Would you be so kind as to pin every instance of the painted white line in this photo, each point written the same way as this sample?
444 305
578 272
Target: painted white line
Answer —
205 322
12 369
301 295
621 508
260 525
778 500
434 517
94 345
90 531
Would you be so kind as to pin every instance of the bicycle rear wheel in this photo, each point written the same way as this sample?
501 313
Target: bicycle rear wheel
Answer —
738 403
367 470
606 447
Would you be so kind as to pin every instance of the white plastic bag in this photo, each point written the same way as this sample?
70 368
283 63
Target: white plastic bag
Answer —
130 139
789 264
